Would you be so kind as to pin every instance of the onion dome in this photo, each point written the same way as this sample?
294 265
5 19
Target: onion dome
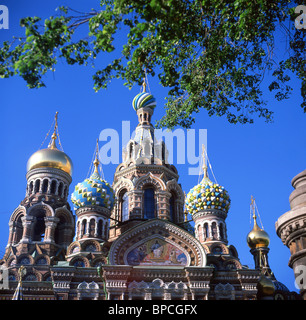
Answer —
265 287
51 157
257 237
207 195
144 100
93 191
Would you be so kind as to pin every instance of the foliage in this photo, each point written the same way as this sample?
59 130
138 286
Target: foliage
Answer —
211 54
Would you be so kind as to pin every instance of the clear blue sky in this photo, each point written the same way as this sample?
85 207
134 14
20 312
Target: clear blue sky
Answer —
259 159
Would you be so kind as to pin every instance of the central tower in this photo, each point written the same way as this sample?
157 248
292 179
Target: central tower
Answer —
145 185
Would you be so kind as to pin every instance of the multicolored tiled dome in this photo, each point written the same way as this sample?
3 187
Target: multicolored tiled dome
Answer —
93 191
207 195
144 99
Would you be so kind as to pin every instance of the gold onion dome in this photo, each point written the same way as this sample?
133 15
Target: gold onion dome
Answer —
265 286
51 157
257 237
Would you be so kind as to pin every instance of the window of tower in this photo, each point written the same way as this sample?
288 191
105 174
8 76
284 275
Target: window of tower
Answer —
221 231
84 222
92 225
214 231
37 186
45 186
39 227
53 187
206 231
149 203
100 228
31 187
163 152
172 207
131 149
60 189
124 205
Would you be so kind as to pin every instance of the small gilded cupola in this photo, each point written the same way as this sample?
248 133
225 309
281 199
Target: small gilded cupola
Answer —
49 172
257 237
51 157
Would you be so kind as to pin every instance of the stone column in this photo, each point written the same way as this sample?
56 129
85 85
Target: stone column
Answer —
27 223
50 223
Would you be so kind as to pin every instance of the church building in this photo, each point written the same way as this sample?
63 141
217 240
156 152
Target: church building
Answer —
129 240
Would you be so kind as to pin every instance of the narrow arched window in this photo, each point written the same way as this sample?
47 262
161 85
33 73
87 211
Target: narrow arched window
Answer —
84 222
60 189
131 150
206 231
172 207
45 186
92 225
149 203
37 186
31 188
214 231
53 187
221 230
125 207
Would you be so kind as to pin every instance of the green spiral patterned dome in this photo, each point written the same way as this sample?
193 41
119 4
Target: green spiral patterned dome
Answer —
142 100
207 195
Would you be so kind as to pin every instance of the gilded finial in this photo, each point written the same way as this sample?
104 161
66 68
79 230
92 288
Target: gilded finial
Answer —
97 162
52 144
144 85
253 210
205 169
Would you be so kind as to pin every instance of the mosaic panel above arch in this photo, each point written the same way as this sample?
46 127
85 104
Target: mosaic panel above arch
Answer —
157 242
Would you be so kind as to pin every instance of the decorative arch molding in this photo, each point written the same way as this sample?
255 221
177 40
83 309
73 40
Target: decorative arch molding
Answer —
161 229
63 211
20 210
74 247
150 178
173 186
42 259
41 206
218 248
90 246
79 261
122 184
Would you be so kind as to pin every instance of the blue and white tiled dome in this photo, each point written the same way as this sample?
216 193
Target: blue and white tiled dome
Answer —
93 191
207 195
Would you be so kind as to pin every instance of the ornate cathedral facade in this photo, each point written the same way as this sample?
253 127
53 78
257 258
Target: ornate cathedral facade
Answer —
131 240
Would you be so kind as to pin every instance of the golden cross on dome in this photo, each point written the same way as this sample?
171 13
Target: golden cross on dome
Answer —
97 162
205 169
52 144
253 207
144 85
